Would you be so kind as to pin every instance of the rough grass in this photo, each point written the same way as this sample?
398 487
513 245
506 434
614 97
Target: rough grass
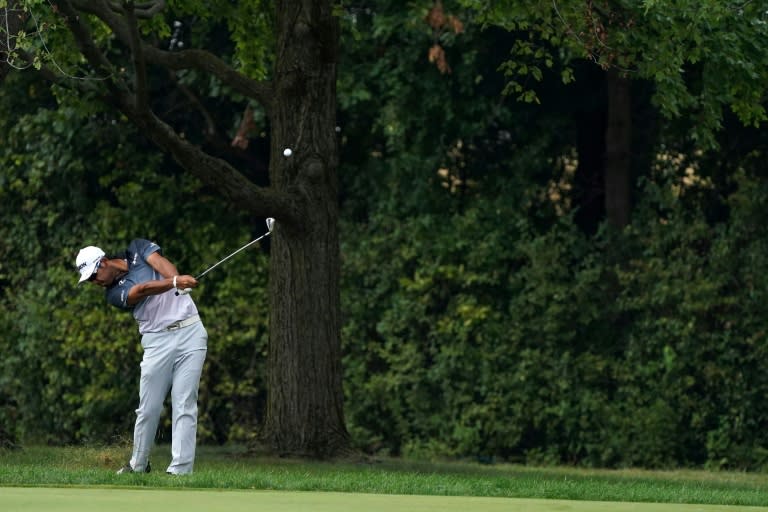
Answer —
232 468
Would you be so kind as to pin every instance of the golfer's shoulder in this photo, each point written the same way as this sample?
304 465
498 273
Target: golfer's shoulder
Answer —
143 247
141 242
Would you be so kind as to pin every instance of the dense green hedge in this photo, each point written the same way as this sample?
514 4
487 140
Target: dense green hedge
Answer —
477 335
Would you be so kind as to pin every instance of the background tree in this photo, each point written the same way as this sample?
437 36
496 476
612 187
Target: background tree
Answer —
699 56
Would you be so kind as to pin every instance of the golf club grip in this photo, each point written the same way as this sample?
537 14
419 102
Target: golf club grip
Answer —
197 278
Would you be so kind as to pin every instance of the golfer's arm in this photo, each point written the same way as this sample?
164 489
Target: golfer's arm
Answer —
163 267
143 290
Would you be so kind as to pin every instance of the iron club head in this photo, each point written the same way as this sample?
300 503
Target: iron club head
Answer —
270 223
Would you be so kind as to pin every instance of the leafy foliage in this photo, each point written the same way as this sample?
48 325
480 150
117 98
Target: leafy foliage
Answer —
548 347
701 55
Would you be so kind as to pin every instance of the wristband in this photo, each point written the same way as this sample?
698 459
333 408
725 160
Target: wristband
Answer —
174 281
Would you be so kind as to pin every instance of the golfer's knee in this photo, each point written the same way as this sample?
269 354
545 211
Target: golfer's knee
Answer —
148 412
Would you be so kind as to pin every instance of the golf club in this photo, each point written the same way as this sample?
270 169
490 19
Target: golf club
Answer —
270 224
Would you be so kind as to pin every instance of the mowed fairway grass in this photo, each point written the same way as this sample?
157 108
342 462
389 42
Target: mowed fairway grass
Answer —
83 479
122 500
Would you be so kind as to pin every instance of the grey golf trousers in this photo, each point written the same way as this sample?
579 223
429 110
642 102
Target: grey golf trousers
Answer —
172 360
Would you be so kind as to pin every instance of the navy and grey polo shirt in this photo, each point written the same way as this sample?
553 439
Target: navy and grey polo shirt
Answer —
155 312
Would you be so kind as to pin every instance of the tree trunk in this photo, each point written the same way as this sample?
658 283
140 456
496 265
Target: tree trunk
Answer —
305 413
589 178
618 139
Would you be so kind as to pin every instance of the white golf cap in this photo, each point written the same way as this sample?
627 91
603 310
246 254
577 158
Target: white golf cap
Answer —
86 261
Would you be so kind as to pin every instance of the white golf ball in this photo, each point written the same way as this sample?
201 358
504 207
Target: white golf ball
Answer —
287 152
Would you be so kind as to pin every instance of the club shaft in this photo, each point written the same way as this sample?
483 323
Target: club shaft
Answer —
234 253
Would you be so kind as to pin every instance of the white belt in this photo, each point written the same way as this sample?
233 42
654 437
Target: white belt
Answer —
183 323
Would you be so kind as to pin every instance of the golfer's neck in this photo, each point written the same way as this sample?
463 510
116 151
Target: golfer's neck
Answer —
121 265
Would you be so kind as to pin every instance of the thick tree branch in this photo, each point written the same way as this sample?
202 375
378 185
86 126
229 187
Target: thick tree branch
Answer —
144 11
140 68
212 171
88 48
202 60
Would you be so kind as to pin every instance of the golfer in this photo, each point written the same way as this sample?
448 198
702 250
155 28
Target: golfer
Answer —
173 338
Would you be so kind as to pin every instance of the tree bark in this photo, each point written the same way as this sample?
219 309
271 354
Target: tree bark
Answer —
618 140
305 414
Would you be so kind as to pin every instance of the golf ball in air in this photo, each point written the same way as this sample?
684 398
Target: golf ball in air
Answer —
287 152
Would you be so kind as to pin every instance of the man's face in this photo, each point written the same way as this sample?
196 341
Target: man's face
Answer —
102 276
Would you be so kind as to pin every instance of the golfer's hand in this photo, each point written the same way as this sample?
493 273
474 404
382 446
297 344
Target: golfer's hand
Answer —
185 281
184 284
